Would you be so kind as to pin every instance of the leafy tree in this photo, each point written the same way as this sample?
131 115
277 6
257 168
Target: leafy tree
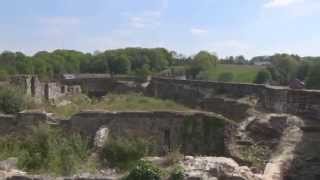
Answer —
262 77
284 66
201 62
313 79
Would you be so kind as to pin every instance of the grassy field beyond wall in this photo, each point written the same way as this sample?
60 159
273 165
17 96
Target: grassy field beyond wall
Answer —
242 73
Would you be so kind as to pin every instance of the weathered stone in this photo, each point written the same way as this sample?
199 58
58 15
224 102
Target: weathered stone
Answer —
205 168
101 137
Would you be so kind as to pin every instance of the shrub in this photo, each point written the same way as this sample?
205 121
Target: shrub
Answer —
49 150
177 174
144 171
174 157
3 75
226 77
124 153
11 100
262 77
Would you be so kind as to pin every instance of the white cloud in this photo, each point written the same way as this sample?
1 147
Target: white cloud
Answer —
281 3
145 19
198 31
59 20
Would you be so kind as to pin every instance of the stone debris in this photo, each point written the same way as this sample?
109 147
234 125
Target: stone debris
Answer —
210 168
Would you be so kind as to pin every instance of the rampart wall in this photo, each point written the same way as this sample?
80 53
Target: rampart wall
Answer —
276 99
192 132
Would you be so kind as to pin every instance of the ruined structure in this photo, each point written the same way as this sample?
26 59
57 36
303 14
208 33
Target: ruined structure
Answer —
278 126
49 91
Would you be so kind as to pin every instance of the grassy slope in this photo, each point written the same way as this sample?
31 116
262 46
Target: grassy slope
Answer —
115 102
242 73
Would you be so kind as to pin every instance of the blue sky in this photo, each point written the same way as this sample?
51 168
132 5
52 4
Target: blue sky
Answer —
227 27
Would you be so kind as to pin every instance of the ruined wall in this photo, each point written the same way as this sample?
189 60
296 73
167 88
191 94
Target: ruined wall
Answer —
101 84
194 132
21 123
276 99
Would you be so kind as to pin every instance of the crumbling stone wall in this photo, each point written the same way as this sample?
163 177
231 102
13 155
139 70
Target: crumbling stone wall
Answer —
275 99
194 133
50 91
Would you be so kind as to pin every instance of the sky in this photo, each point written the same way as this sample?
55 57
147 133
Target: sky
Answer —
226 27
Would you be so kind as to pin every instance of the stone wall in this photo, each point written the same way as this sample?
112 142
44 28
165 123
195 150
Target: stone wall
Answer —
50 91
276 99
101 84
192 132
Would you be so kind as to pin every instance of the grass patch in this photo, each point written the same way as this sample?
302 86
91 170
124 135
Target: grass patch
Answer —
113 102
241 73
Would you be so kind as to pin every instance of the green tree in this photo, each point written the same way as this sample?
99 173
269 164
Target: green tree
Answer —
262 77
201 62
313 79
285 67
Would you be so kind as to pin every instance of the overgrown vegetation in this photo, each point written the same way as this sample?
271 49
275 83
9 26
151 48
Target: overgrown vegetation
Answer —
47 150
256 155
144 171
12 100
124 153
114 102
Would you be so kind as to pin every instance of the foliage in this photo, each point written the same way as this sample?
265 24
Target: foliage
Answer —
121 61
174 156
226 77
313 78
3 75
47 150
12 100
177 173
255 154
144 171
283 67
124 153
201 62
263 77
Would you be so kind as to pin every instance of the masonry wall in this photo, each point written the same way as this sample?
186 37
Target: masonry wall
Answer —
192 132
276 99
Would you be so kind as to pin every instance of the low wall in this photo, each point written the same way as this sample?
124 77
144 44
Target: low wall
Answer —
195 133
276 99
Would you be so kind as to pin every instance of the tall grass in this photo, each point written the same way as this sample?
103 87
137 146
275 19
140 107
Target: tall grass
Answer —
47 150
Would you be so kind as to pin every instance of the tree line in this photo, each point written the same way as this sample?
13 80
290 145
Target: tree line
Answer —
138 61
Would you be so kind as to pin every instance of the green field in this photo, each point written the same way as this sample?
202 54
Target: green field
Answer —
242 73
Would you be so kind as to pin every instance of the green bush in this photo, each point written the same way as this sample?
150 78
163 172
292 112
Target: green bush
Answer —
177 174
226 77
4 75
46 150
124 153
262 77
144 171
11 100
